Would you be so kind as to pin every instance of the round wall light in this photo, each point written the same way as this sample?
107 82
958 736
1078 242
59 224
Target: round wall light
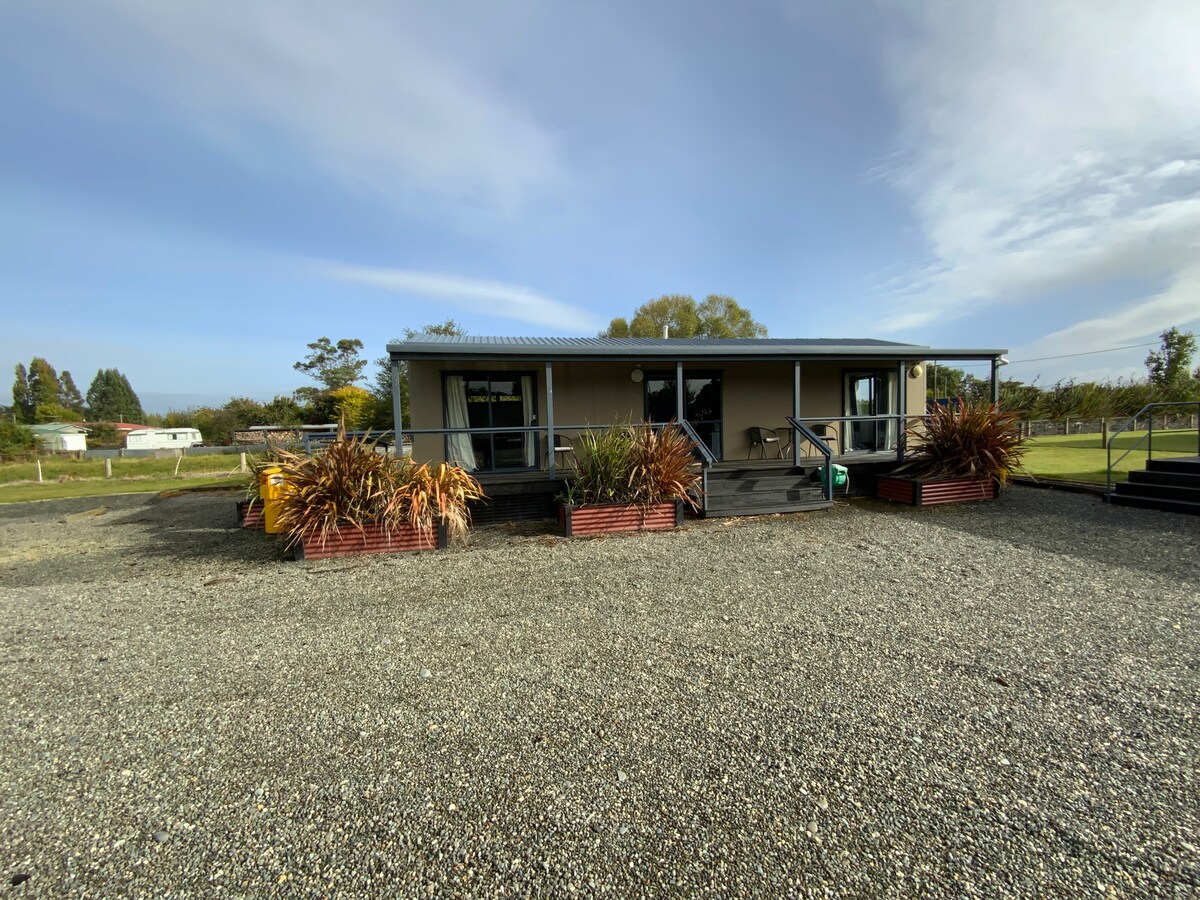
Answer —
915 371
636 376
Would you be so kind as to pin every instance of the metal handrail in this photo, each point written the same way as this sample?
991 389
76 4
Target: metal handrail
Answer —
706 455
1148 437
803 431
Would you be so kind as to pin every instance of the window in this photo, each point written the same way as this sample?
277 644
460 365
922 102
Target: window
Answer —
491 400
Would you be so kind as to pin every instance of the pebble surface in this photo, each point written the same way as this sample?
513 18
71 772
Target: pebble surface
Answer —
988 700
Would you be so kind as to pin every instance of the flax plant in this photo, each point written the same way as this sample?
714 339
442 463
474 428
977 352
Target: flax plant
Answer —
634 464
965 440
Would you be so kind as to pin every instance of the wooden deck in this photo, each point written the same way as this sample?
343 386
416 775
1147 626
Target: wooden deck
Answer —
736 487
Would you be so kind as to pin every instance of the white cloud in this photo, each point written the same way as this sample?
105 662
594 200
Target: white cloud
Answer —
1049 145
486 298
367 94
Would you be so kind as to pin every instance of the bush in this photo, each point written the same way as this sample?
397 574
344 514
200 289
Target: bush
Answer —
351 485
16 439
965 440
634 464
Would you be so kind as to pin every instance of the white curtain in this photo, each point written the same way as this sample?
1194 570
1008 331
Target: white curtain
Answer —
462 451
889 402
527 402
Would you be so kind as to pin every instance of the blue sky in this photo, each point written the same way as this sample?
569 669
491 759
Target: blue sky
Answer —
192 192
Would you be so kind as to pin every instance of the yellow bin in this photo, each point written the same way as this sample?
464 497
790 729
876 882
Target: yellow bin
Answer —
271 485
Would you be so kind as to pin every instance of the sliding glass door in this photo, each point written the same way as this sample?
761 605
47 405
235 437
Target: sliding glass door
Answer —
486 400
871 393
702 403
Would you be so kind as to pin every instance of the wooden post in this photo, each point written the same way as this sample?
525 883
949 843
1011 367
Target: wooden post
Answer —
39 468
107 467
242 467
1104 432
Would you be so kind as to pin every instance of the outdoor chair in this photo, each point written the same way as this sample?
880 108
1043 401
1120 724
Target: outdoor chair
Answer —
564 447
829 435
760 437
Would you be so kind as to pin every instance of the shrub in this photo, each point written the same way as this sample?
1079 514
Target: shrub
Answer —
634 464
965 440
350 484
16 439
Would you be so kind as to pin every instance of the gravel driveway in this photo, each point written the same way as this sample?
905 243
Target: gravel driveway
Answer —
988 700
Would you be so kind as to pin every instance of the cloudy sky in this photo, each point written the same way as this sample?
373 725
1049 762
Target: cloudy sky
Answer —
193 191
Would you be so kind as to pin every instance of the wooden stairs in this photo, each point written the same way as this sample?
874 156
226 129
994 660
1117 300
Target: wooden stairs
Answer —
1172 485
751 490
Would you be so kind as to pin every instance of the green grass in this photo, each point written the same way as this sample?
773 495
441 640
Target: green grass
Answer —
57 490
54 468
1080 457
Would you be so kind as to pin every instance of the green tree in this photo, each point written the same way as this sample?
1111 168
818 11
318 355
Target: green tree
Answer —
1171 364
717 316
383 373
332 365
68 394
15 439
52 412
111 398
44 386
22 402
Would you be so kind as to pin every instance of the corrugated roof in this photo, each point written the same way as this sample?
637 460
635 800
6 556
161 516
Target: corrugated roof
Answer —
57 428
480 347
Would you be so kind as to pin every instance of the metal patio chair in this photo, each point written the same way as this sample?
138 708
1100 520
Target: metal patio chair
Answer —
760 437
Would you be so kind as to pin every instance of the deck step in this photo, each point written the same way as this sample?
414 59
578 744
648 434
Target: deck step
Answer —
1176 506
766 509
1156 476
729 487
758 498
1184 464
1162 491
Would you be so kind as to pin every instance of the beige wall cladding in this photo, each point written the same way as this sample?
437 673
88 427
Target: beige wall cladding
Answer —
599 393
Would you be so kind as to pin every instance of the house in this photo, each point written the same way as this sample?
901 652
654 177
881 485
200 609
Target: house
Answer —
500 406
60 437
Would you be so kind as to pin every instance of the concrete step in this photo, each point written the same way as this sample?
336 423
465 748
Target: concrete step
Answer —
1176 506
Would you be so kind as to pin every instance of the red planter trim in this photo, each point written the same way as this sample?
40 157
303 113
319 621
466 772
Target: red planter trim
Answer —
371 539
250 515
608 518
920 492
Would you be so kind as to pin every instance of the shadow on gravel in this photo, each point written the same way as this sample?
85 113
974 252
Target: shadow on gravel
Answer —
1076 525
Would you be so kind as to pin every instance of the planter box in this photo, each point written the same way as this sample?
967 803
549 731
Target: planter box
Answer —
931 492
250 516
609 518
371 539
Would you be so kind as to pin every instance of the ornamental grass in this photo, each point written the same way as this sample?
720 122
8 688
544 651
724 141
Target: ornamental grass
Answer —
352 484
640 464
965 440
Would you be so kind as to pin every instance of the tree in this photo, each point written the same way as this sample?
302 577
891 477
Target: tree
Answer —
15 439
383 373
717 316
68 394
111 398
44 387
333 365
1170 365
22 403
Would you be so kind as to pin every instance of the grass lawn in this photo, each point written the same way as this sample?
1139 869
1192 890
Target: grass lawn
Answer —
57 490
1080 457
54 468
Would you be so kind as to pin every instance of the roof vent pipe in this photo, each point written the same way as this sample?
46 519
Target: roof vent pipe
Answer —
666 331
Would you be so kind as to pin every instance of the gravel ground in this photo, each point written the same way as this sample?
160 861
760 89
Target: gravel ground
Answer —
988 700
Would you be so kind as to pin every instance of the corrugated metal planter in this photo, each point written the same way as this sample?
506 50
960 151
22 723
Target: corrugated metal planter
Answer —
609 518
371 539
250 513
931 492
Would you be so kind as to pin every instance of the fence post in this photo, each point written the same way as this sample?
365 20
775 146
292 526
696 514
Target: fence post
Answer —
242 462
1104 432
107 467
39 468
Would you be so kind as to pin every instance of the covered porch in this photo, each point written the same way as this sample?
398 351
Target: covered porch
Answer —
512 410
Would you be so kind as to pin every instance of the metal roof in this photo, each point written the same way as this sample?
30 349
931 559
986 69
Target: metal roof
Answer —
604 348
57 428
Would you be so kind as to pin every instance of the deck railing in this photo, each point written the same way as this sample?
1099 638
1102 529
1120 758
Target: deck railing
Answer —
800 430
1148 437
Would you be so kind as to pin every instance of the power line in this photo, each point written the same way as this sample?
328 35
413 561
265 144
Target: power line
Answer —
1016 362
